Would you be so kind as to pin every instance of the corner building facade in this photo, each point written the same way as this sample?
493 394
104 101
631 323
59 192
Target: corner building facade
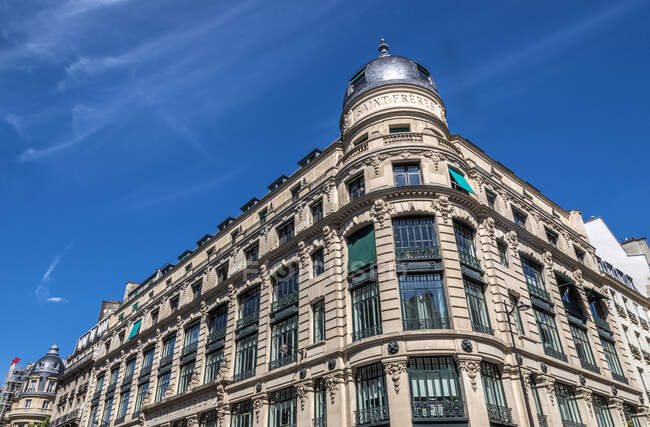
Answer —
374 286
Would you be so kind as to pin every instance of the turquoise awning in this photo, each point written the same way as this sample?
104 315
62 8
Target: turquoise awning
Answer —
460 180
135 329
361 248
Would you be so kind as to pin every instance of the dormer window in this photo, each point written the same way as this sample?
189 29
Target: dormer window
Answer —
358 80
424 74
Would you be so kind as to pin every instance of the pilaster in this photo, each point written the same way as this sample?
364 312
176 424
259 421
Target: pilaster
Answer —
470 379
260 410
546 391
397 387
305 395
616 409
337 409
584 399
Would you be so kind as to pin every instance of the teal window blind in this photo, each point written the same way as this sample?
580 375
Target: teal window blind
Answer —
460 180
361 248
136 329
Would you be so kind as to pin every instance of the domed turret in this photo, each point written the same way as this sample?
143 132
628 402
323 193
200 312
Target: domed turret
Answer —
387 70
49 364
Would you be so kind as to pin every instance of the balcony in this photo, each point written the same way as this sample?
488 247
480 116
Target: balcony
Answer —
190 348
437 409
566 423
243 375
248 320
500 414
477 327
282 361
619 377
635 351
620 310
111 387
541 420
436 322
371 416
166 360
146 370
573 309
469 260
539 293
215 336
549 351
365 333
601 323
643 323
287 300
119 420
589 366
417 253
319 422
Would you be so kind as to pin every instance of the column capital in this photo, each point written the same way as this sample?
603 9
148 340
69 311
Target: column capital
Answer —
471 365
303 388
394 368
585 394
259 401
549 384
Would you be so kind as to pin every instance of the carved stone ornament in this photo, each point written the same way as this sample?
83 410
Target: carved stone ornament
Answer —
394 370
265 232
381 211
170 390
303 373
146 400
528 379
619 408
332 385
586 395
614 390
204 311
195 379
519 359
302 390
258 387
544 367
329 237
577 276
550 389
548 259
192 421
303 251
221 392
443 208
466 345
232 293
374 163
327 188
582 379
436 158
471 367
393 347
488 226
331 364
258 404
513 242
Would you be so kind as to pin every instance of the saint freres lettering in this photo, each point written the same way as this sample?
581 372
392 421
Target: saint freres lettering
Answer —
401 98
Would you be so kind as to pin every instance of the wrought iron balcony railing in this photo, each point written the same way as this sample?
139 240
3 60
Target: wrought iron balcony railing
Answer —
166 360
371 416
632 317
549 351
417 253
620 310
469 260
434 408
602 323
541 420
243 375
619 377
216 335
365 333
190 348
285 301
282 361
635 351
111 387
248 320
146 370
567 423
127 379
500 414
589 366
643 323
539 292
477 327
319 422
97 394
437 321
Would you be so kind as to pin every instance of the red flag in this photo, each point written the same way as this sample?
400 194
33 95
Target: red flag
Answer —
16 360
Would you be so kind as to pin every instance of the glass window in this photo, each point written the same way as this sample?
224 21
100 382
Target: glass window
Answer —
601 410
516 314
283 408
154 317
534 278
50 386
252 254
612 360
242 414
320 403
249 307
415 238
318 309
139 398
196 290
580 254
318 262
356 188
407 174
163 383
495 398
191 336
295 193
538 404
316 212
147 358
285 232
212 365
245 357
108 407
465 245
399 129
372 402
491 198
173 303
209 419
519 218
583 348
285 288
46 404
284 342
548 335
551 236
92 419
168 348
28 403
361 249
187 370
366 312
218 320
435 388
100 384
222 274
115 373
503 253
262 215
423 301
567 404
631 416
130 368
123 406
478 312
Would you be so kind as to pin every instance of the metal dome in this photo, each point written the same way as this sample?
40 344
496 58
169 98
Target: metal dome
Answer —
385 70
50 364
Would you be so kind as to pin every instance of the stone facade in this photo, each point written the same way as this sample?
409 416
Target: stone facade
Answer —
224 300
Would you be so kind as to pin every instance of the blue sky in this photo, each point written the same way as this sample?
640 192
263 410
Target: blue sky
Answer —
129 129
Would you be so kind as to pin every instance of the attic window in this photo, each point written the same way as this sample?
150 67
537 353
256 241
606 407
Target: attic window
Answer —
424 74
358 80
399 129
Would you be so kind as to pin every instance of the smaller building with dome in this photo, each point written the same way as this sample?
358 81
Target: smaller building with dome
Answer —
34 403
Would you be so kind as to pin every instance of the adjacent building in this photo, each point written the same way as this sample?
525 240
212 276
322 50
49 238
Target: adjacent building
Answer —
33 404
12 384
400 276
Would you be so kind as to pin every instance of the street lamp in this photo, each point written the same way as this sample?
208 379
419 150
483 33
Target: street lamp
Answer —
509 310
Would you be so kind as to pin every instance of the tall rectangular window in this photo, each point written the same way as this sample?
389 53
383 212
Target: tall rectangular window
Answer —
163 383
548 335
108 407
129 370
99 385
124 404
184 377
372 401
491 198
356 188
612 360
242 414
495 397
435 388
516 314
168 350
295 193
318 309
262 215
601 410
147 358
252 253
407 174
583 348
115 373
534 279
320 403
519 218
212 365
423 301
92 419
249 307
245 357
567 404
173 303
284 342
318 263
415 238
465 245
478 312
139 398
283 409
191 338
503 253
285 232
362 251
316 212
222 274
551 236
631 416
285 289
217 321
366 312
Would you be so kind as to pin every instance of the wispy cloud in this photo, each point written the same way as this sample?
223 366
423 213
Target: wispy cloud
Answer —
43 289
15 122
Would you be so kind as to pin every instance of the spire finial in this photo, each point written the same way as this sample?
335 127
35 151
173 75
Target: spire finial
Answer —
383 48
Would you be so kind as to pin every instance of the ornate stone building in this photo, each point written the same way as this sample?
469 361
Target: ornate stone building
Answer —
399 277
34 403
